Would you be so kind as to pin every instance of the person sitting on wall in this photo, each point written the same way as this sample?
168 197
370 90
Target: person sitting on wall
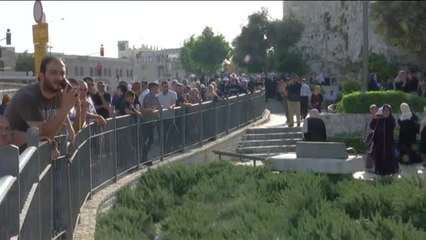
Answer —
314 128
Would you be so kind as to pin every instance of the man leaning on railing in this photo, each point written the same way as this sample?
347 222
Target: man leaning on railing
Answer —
42 105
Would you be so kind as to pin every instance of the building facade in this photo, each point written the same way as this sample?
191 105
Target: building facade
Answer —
151 63
7 59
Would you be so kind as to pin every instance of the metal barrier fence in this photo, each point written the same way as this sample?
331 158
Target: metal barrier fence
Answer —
41 199
10 88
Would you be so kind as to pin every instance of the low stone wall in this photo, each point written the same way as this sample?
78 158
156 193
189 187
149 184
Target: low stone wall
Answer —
337 123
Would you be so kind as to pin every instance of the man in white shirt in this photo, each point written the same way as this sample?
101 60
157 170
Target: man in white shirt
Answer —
167 99
145 91
305 94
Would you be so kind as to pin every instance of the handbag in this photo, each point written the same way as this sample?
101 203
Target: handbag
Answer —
369 139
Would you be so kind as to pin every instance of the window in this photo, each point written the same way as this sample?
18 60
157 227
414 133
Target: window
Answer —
105 72
91 71
127 72
81 71
109 72
131 73
75 71
121 72
116 72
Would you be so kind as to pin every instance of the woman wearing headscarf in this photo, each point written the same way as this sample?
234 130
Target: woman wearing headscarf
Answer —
383 148
314 128
422 146
372 83
369 163
407 142
317 98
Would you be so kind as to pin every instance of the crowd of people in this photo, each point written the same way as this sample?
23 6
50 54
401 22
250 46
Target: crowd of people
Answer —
384 153
55 102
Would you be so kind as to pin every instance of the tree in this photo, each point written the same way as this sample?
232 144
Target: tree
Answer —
268 44
283 36
25 62
204 54
250 47
401 23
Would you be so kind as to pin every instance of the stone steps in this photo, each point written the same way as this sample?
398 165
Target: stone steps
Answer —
270 136
268 149
269 142
259 130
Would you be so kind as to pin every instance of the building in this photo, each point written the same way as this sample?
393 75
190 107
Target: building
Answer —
148 64
152 63
7 59
109 70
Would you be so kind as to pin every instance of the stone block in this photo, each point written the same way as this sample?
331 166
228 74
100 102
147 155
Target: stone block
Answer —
335 150
290 162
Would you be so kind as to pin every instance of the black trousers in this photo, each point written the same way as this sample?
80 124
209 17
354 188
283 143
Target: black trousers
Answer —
304 101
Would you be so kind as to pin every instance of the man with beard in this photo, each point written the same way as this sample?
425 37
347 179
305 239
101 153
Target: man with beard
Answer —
42 105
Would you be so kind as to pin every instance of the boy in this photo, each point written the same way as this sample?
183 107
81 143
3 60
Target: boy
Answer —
129 104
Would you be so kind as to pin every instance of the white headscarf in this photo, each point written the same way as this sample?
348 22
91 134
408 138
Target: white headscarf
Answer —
423 122
405 112
312 114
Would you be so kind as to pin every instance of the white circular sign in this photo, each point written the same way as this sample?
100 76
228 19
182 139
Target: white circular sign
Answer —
38 12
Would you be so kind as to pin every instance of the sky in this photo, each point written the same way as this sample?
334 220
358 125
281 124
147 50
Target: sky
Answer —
80 27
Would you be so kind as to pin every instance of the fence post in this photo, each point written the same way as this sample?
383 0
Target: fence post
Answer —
247 101
238 111
183 112
114 119
138 142
161 135
201 137
215 118
9 165
228 117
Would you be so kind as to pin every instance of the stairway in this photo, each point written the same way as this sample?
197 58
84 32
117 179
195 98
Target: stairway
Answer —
267 142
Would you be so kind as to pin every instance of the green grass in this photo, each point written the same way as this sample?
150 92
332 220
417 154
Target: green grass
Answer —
223 201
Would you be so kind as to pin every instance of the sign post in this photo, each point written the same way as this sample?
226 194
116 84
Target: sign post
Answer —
40 36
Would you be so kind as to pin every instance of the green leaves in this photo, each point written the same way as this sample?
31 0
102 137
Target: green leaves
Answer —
401 23
269 44
223 201
25 62
204 54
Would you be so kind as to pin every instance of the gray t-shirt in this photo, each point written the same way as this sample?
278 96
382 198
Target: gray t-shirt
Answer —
28 104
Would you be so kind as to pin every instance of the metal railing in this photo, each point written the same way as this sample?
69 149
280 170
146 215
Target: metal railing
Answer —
41 199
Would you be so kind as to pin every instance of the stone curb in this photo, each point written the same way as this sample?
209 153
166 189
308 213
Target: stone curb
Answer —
86 227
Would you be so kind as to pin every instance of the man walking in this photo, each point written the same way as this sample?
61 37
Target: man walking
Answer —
293 100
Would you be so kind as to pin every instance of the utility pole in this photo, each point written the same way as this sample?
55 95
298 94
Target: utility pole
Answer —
365 45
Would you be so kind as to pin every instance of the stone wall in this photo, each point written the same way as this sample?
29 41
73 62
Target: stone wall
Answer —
333 36
346 123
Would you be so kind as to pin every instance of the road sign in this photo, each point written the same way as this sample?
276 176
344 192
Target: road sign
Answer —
40 50
38 12
40 33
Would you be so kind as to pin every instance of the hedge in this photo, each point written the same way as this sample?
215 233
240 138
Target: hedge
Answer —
351 86
359 102
223 201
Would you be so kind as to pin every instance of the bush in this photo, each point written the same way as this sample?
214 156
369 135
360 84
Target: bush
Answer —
359 102
223 201
351 86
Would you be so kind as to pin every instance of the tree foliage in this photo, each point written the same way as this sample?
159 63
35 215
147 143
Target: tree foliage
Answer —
204 54
270 44
250 47
25 62
402 23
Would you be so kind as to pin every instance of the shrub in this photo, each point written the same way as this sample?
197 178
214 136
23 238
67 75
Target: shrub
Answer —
359 102
223 201
351 86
